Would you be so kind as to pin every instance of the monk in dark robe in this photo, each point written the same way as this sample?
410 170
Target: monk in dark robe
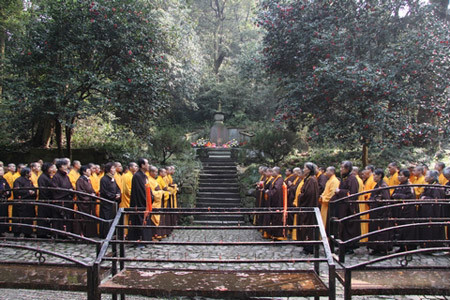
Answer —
22 210
275 193
292 188
290 176
259 195
378 197
4 195
266 202
431 210
348 186
45 212
63 197
108 190
405 192
85 204
138 201
321 179
309 197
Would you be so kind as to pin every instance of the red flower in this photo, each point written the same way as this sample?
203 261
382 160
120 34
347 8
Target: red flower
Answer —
130 52
129 80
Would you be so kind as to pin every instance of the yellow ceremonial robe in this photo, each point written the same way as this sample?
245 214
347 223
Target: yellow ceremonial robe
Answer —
173 190
330 188
369 185
419 190
10 178
393 180
163 184
298 191
362 208
118 179
442 179
126 196
73 176
34 179
157 198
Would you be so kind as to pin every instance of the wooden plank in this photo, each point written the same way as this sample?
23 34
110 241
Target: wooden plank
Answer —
399 282
215 284
44 277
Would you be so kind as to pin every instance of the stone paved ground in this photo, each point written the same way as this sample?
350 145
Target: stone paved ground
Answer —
85 253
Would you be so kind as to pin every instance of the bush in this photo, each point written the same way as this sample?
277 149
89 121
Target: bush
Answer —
168 141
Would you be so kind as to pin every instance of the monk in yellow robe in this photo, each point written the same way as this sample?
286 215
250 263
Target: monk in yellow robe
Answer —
74 173
420 179
35 172
440 166
10 177
330 188
127 178
173 189
363 206
393 178
118 175
165 187
298 192
158 198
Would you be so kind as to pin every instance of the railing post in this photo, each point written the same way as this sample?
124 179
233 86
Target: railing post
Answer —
93 282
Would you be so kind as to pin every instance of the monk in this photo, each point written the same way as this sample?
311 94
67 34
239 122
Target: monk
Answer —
35 172
158 198
4 195
431 210
266 202
63 197
378 197
298 191
74 173
173 189
321 179
138 202
22 210
348 186
362 198
405 192
118 175
165 218
259 195
288 173
127 179
10 177
108 190
393 178
440 166
45 212
369 183
292 188
420 179
330 187
309 197
86 227
275 194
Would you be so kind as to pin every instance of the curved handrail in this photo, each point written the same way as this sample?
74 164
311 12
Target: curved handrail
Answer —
394 255
434 186
76 261
64 190
61 232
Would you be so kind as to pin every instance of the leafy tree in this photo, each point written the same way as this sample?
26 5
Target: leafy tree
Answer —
166 142
360 73
273 143
79 57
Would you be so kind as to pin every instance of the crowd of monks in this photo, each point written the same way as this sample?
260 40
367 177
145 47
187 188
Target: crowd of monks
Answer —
313 186
137 185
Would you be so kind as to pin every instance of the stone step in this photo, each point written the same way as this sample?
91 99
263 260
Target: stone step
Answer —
219 218
217 175
218 189
232 185
213 172
218 195
218 223
214 203
212 180
217 163
220 168
218 160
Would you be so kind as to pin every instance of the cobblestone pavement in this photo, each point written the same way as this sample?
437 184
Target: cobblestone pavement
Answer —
86 253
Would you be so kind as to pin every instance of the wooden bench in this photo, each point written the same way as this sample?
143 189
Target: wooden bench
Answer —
215 284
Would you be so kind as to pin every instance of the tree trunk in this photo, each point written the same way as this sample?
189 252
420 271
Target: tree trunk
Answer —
2 59
58 134
365 155
44 131
69 133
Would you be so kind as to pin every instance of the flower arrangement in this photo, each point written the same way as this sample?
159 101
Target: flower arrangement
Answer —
204 143
231 144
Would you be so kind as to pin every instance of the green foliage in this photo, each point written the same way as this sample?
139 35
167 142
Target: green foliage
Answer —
359 73
273 143
167 141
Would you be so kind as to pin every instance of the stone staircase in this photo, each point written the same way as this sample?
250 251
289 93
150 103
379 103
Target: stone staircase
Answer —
218 188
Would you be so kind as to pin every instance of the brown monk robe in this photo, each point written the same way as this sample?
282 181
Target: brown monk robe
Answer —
259 195
266 202
378 197
86 227
348 186
321 179
276 201
431 211
309 197
292 188
405 192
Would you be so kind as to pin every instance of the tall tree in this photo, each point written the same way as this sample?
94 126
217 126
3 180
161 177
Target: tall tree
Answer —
359 71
